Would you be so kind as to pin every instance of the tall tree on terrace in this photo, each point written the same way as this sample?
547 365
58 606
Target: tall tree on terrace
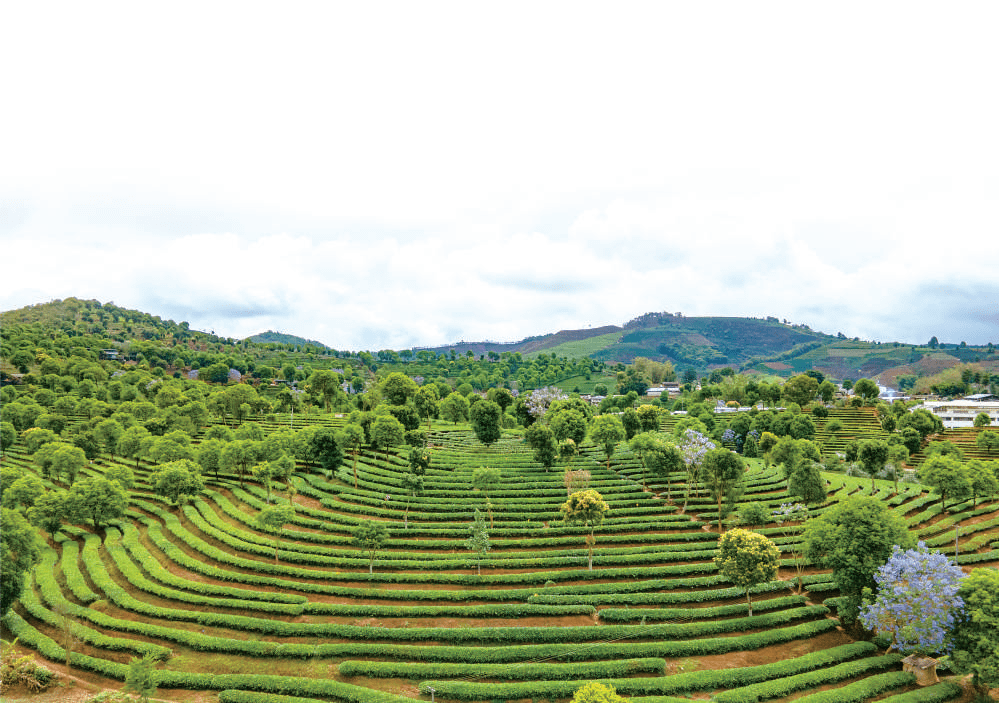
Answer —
273 518
666 459
746 559
607 431
478 540
723 472
325 384
486 479
351 438
541 439
370 536
586 508
426 401
485 416
693 447
387 432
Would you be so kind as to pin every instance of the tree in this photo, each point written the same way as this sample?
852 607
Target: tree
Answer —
923 421
370 536
325 449
916 598
587 508
387 432
747 559
98 499
981 479
723 472
413 485
987 441
693 447
800 389
50 511
485 417
398 388
648 418
607 431
426 401
67 461
873 454
982 420
826 390
19 551
171 447
947 476
141 677
768 441
279 469
866 389
976 630
454 407
806 482
8 436
486 479
568 424
629 420
238 456
133 443
854 538
596 692
478 540
643 444
273 518
541 439
108 432
664 460
351 438
326 384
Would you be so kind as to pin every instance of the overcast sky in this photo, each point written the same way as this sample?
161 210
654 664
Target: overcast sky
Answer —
381 175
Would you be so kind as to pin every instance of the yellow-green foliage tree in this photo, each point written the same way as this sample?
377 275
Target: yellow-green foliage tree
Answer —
585 508
746 559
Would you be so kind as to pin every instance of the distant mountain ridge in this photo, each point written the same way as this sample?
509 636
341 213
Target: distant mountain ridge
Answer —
271 337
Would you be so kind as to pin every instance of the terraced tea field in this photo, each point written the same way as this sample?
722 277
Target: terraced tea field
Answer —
200 589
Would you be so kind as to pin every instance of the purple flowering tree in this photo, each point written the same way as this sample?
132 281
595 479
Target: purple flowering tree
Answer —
693 446
916 600
539 400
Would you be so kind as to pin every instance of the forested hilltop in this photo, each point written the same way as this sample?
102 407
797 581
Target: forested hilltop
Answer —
262 521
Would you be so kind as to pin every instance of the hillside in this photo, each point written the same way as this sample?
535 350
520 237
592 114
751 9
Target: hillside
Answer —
271 337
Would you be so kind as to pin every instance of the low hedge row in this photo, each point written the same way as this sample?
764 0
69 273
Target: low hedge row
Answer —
114 547
34 607
778 688
707 680
234 696
75 581
514 672
658 614
491 610
937 693
648 592
862 690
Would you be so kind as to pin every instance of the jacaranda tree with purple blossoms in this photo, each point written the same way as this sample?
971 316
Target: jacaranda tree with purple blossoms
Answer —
693 446
916 600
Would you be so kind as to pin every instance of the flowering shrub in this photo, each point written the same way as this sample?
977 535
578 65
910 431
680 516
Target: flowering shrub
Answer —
916 600
540 399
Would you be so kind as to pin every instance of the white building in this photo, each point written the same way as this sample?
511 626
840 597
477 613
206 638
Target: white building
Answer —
962 413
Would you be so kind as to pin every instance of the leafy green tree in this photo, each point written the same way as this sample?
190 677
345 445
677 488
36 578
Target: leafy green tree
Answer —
50 511
178 480
800 389
325 384
607 431
923 421
273 518
723 472
806 482
568 424
541 439
585 508
412 484
643 444
827 390
983 481
8 436
426 402
133 443
478 540
386 432
987 441
398 388
98 500
666 459
866 389
325 449
873 454
20 548
747 559
854 538
238 456
23 492
486 479
351 438
629 420
976 632
486 417
648 418
35 437
947 476
370 536
67 460
982 420
209 456
172 446
455 408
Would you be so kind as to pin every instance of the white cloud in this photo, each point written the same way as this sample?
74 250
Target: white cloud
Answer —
397 174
